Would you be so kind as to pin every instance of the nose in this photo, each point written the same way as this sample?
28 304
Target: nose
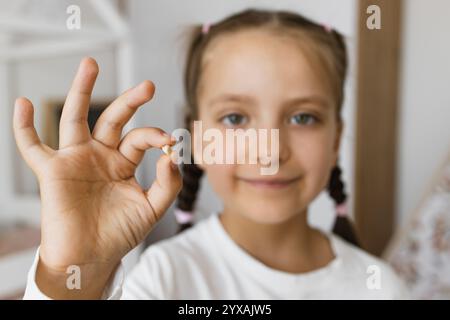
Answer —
277 141
284 146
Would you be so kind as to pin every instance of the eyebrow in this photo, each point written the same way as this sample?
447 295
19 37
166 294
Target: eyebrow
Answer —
232 98
312 99
315 99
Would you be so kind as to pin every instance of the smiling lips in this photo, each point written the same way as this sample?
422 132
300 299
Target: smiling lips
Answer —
270 183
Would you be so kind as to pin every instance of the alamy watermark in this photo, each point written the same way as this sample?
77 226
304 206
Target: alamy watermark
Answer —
236 146
373 22
373 281
73 281
73 21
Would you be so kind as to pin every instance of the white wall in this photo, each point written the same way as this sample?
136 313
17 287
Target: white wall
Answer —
159 56
424 135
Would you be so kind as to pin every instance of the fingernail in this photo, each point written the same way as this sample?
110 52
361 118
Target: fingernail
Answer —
17 101
172 138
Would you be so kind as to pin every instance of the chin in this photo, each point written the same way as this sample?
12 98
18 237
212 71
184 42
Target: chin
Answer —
270 213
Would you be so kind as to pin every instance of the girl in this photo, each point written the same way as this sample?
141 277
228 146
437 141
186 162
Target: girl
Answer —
255 69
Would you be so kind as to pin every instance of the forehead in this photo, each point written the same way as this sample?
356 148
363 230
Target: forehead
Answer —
258 63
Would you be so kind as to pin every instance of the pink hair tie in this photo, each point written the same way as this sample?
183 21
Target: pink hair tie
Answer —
205 28
327 27
183 217
342 209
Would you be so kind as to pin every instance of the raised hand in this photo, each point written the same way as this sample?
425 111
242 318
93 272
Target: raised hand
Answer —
93 210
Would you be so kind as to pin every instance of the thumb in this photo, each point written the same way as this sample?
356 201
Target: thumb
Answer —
166 186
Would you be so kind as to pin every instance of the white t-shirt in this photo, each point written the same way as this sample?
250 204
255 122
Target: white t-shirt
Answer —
205 263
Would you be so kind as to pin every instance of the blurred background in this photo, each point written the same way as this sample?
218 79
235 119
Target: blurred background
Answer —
396 144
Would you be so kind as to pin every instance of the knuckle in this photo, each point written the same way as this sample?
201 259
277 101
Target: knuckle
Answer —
114 125
78 120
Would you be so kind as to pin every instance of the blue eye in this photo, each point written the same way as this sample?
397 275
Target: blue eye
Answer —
233 119
303 119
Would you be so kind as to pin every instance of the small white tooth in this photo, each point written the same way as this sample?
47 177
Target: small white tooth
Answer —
167 149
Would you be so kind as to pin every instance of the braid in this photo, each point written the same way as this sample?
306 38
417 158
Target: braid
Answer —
342 226
336 186
191 184
188 194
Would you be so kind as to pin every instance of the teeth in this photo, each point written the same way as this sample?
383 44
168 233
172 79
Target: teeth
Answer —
167 149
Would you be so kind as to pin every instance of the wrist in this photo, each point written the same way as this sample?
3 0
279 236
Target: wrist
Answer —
86 281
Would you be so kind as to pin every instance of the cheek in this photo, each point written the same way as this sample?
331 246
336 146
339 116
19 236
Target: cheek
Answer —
220 178
315 154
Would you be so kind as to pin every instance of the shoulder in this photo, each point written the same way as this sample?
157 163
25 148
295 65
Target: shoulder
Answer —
379 279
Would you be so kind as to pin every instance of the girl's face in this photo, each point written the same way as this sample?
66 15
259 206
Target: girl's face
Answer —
254 79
